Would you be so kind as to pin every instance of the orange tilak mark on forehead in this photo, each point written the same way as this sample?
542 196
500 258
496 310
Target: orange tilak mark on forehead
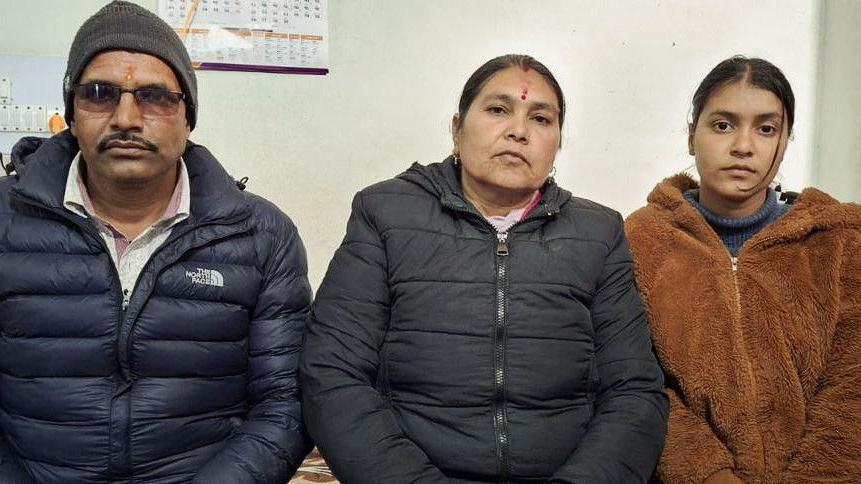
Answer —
130 73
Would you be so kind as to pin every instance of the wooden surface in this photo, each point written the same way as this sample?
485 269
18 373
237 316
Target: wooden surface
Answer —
313 470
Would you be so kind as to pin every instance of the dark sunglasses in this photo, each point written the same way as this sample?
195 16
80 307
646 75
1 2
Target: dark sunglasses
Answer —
101 98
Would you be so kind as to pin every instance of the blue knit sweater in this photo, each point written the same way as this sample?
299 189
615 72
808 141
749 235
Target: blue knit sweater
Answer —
734 232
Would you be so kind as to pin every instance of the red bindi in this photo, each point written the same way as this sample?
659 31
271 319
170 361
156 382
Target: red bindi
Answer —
523 94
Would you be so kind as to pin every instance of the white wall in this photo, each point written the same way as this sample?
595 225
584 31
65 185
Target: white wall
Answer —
838 127
628 69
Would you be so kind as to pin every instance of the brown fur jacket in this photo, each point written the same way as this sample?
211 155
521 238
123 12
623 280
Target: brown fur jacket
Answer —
763 361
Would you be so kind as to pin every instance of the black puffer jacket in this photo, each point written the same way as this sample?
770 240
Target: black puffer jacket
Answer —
438 351
195 380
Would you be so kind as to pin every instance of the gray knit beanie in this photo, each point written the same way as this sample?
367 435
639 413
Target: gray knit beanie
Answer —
126 26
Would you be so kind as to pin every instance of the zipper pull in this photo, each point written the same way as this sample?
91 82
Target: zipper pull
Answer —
126 299
734 263
502 243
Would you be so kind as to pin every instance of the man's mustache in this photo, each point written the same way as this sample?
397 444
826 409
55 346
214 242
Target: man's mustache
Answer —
127 137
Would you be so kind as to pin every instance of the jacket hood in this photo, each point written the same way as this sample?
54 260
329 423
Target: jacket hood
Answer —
812 211
443 180
28 145
42 166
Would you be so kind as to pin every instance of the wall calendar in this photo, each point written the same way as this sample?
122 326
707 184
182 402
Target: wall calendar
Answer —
284 36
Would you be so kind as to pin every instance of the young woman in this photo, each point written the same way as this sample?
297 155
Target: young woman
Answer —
479 323
755 304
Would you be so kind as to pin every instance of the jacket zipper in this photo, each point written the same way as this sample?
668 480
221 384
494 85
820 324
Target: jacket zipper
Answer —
500 419
748 363
121 332
502 250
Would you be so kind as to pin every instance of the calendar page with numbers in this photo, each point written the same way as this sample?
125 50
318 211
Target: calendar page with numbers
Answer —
287 36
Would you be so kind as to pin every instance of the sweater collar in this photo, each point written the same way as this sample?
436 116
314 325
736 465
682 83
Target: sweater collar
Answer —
735 232
752 223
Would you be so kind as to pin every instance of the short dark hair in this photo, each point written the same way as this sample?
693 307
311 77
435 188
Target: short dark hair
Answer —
483 74
757 72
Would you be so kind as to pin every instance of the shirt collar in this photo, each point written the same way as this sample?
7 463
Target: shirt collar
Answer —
77 199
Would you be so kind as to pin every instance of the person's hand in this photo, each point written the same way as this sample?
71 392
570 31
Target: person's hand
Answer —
723 476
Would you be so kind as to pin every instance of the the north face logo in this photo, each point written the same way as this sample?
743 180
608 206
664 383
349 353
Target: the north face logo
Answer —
208 277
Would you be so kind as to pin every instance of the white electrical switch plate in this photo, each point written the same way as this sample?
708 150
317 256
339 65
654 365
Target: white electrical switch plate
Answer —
5 117
5 90
28 118
15 118
40 121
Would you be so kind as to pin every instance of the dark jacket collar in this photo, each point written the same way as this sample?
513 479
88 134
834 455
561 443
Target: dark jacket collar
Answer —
42 166
443 180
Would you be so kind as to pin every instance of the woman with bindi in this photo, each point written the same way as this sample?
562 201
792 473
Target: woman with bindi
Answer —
480 323
754 298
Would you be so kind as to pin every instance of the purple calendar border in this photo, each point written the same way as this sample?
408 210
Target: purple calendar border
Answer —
217 66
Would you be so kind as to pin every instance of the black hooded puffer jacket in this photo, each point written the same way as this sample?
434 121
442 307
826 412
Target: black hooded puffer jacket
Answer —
440 351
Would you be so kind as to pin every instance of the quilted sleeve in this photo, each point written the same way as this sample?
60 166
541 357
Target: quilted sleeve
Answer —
346 415
271 443
626 434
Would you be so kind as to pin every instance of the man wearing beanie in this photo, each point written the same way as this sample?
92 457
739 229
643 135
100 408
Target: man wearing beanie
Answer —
151 312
